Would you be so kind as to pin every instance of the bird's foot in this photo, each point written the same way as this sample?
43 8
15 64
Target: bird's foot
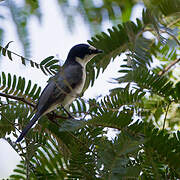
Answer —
69 115
52 117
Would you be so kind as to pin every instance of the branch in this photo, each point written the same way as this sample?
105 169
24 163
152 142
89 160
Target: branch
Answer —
174 22
17 98
169 67
18 54
165 116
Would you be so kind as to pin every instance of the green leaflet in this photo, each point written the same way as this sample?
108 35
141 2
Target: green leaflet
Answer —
17 86
148 80
49 66
121 38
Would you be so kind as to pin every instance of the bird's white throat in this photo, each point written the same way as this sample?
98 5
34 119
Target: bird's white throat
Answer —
85 60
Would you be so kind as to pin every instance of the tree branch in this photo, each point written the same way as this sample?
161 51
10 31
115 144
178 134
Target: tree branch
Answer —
164 122
17 98
169 67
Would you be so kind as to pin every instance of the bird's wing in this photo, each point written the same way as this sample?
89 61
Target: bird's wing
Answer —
59 86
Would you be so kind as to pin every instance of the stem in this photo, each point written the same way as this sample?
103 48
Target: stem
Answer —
169 67
13 124
19 55
174 22
165 116
17 98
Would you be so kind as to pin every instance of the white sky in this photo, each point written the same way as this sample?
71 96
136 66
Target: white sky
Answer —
50 38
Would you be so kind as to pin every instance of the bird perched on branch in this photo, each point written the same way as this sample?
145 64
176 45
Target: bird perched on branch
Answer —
66 85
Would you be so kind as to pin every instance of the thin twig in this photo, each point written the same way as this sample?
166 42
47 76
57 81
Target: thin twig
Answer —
169 67
162 31
165 116
20 55
13 124
174 37
173 22
17 98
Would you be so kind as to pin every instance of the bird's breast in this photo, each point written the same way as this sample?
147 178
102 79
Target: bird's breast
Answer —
76 91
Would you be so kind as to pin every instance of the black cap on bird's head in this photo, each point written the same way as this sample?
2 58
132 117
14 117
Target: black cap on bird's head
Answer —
84 52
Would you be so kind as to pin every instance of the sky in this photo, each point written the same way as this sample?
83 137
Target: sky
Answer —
51 38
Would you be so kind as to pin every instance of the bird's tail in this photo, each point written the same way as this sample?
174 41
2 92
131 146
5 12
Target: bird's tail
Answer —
26 129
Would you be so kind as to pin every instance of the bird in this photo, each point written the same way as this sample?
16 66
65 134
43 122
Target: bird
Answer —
66 85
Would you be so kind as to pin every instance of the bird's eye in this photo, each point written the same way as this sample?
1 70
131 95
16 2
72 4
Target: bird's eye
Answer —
90 51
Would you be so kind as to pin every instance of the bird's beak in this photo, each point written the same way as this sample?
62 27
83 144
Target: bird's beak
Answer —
98 51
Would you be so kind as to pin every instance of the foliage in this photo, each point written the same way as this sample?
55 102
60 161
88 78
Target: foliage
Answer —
16 86
95 12
142 113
